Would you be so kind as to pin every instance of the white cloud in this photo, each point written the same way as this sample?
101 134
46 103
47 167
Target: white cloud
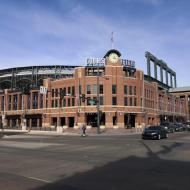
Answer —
49 38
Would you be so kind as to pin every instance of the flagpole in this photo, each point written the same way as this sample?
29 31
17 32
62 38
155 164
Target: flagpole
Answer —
112 40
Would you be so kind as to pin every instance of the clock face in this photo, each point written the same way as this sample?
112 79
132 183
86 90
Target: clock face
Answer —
113 57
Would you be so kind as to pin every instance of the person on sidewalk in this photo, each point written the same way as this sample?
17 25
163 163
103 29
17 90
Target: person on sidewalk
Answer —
83 130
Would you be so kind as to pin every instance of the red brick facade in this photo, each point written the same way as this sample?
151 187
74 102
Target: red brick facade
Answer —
126 100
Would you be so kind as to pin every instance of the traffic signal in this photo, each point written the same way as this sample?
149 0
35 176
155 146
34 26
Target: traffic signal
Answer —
83 97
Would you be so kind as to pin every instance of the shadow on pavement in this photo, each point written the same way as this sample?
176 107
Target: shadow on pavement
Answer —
132 173
7 133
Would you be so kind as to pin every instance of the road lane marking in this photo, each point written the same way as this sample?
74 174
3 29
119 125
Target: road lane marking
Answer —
38 179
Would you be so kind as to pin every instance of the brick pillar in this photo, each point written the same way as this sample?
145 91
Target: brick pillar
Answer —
139 122
4 121
109 119
81 118
46 120
38 122
11 123
120 120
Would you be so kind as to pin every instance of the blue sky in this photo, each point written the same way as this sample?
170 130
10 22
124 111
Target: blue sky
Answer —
43 32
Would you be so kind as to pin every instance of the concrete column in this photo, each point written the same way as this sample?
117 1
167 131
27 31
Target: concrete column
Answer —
171 80
155 71
166 76
148 67
175 81
161 74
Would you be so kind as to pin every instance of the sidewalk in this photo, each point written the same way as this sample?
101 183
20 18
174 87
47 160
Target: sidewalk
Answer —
75 132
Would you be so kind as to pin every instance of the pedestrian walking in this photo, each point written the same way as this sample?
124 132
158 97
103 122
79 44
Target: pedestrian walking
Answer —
83 130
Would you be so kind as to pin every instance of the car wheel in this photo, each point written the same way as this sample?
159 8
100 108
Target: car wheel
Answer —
159 136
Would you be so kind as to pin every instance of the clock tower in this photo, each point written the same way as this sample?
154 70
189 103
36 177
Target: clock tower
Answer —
113 57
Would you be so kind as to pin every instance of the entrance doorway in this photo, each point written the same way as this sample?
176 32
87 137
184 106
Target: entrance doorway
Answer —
129 120
71 121
91 119
54 121
62 122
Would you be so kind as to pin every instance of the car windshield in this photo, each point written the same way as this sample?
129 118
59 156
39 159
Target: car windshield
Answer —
153 128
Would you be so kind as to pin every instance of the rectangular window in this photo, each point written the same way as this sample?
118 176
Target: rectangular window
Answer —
73 101
88 91
114 89
10 101
2 103
20 102
101 89
15 102
56 103
28 102
52 103
73 91
60 90
125 89
64 102
94 100
69 102
95 89
125 101
35 100
101 100
56 92
64 91
114 101
135 90
131 101
89 101
130 90
69 90
53 93
61 103
135 102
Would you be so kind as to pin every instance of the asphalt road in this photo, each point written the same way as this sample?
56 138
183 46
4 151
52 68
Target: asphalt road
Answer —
123 162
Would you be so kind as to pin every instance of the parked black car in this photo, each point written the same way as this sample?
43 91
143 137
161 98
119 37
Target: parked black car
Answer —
186 126
170 128
154 132
179 127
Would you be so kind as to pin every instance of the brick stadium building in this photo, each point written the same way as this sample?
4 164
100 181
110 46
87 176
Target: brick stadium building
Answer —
127 97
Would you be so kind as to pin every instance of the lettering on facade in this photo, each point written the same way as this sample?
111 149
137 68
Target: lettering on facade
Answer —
95 62
128 63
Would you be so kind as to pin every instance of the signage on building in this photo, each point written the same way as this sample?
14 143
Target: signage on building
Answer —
94 62
43 90
128 63
97 62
